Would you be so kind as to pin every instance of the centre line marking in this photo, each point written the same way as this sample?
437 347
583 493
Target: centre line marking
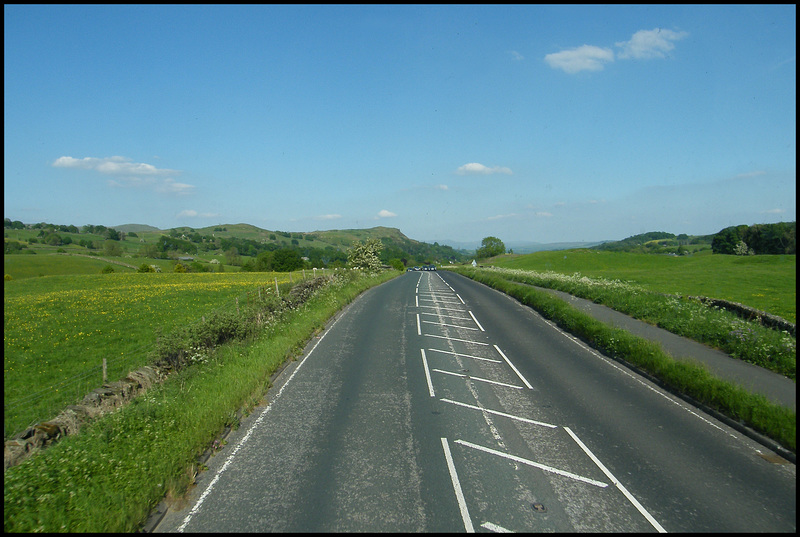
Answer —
534 464
616 482
495 528
514 368
478 379
462 503
419 326
526 420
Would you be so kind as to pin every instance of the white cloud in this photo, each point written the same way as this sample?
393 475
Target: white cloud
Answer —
441 187
473 168
501 216
516 55
126 173
329 216
646 44
584 58
774 211
386 214
191 213
112 166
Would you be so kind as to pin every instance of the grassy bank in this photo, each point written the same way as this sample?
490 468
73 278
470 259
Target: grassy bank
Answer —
754 410
764 282
110 476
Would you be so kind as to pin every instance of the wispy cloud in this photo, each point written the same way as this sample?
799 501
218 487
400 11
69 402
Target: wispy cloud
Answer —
191 213
646 44
473 168
643 45
386 214
584 58
329 217
125 173
516 55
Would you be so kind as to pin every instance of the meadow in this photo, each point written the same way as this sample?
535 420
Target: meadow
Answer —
765 282
58 329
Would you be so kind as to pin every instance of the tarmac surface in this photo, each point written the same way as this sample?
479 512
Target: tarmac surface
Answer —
773 386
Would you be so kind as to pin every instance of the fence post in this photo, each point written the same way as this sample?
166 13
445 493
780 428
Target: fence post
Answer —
277 291
105 370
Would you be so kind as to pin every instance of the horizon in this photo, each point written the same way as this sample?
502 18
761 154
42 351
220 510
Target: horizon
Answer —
538 124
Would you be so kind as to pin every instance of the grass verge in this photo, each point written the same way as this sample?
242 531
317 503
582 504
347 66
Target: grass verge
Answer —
111 475
755 411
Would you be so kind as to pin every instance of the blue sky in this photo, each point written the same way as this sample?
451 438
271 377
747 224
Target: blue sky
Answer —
452 123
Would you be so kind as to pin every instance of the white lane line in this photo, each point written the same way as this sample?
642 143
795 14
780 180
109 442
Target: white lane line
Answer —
461 299
479 379
467 356
246 437
427 373
519 418
544 467
476 321
419 326
514 368
495 528
616 482
456 339
452 325
416 301
462 503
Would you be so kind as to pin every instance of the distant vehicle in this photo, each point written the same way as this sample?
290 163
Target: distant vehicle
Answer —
430 267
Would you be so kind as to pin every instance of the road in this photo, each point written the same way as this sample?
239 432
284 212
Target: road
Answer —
433 403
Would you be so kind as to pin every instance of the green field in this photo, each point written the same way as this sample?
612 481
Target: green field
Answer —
764 282
58 329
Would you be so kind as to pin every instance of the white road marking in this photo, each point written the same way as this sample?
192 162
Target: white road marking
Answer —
462 503
519 418
456 339
461 299
439 308
446 316
476 321
534 464
427 373
419 326
514 368
495 528
480 379
616 482
467 356
452 325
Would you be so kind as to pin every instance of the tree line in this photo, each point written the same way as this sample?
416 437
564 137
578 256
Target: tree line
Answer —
757 239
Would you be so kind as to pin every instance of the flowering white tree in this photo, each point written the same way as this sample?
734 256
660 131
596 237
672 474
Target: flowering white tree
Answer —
365 255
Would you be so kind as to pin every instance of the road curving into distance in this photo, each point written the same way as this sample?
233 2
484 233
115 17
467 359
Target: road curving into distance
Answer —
433 403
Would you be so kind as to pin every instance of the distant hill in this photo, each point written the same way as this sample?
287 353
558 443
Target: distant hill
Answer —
659 242
135 228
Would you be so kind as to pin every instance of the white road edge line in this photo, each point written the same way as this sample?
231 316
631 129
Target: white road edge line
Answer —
511 416
534 464
514 368
476 321
246 437
419 326
462 504
616 482
427 373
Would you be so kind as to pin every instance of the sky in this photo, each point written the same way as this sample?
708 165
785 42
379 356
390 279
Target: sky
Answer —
451 123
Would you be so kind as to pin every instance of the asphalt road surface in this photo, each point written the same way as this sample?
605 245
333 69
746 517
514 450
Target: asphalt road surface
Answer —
433 403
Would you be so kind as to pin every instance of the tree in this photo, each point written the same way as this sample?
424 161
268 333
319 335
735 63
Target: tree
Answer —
490 247
365 255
